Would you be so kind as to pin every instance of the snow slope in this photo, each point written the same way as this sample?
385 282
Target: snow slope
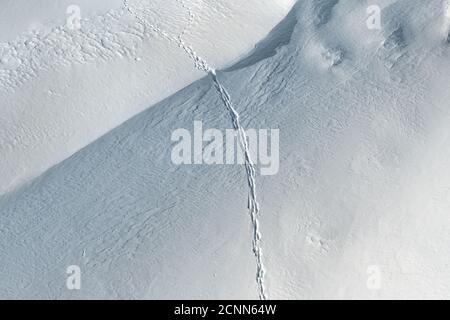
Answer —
363 185
56 82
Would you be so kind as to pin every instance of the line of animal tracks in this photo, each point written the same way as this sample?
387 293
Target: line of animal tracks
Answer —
202 65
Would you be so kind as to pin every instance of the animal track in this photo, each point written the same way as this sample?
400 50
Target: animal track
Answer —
253 204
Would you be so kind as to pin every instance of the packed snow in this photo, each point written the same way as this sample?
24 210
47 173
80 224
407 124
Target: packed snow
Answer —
360 205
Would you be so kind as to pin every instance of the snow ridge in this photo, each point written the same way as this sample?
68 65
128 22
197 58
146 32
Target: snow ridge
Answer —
250 169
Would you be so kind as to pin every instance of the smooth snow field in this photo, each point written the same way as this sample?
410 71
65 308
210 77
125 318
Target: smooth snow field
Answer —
347 198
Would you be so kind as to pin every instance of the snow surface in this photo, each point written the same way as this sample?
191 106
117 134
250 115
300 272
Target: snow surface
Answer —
364 179
56 83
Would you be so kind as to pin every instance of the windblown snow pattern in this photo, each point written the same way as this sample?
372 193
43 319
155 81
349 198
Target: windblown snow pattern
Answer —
363 188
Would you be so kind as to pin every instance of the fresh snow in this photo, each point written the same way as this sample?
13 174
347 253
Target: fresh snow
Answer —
363 189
